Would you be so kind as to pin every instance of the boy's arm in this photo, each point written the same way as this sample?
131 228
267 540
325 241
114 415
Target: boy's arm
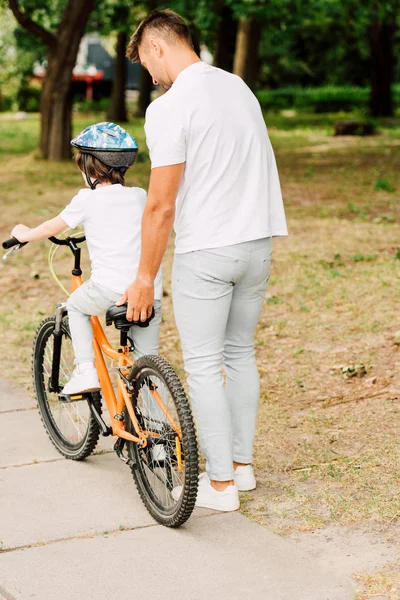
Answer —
157 222
52 227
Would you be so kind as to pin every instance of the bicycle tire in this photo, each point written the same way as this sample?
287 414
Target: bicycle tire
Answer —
41 356
176 513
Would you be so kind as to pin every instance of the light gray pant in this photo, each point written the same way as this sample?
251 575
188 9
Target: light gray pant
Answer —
92 300
218 295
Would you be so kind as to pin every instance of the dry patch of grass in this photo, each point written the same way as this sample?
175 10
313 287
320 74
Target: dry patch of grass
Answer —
383 583
327 448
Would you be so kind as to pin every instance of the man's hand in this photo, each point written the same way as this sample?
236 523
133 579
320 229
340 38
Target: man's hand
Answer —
20 233
140 297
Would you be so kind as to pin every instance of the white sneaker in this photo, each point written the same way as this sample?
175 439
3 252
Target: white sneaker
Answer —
158 453
244 478
207 497
82 382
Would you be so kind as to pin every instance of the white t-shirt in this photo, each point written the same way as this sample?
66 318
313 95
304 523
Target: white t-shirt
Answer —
112 218
230 191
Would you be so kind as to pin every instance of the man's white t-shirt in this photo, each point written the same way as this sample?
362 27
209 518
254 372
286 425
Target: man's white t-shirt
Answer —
112 217
230 191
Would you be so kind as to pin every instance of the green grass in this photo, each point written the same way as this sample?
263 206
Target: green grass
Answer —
22 136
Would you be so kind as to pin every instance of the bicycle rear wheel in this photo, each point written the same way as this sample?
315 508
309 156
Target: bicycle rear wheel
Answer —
70 425
170 460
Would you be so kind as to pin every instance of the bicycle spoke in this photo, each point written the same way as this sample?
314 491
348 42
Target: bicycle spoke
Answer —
70 418
163 474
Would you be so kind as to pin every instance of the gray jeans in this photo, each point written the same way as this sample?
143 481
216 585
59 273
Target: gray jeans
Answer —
92 300
218 295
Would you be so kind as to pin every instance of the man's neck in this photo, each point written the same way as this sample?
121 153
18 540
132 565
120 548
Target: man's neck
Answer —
181 62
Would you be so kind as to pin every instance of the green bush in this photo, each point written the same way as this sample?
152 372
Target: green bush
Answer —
28 99
89 106
7 103
323 99
385 185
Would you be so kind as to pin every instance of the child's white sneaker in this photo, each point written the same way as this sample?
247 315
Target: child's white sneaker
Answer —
83 380
208 497
158 453
244 478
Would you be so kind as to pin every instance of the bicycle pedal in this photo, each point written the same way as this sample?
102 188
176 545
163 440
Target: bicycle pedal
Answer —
119 449
72 397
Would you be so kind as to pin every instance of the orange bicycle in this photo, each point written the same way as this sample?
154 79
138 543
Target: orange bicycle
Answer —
150 414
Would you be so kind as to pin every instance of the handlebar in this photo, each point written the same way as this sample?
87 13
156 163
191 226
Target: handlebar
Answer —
67 241
12 242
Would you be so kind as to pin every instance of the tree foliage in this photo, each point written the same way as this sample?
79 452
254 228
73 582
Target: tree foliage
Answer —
293 42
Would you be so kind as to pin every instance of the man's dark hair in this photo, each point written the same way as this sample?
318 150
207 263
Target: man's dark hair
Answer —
98 170
166 22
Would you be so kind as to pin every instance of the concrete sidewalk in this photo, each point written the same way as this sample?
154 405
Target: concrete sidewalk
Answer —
78 531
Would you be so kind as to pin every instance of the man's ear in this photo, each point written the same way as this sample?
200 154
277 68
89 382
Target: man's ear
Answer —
155 47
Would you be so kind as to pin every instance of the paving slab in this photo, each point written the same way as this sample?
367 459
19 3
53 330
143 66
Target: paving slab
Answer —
56 500
23 439
12 398
61 499
219 556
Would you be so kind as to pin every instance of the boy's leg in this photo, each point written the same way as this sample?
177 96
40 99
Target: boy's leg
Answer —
146 338
88 300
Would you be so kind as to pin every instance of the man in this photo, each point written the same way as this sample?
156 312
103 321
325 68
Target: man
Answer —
214 174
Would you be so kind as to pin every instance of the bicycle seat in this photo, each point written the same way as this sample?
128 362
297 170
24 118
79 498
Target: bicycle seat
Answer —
117 315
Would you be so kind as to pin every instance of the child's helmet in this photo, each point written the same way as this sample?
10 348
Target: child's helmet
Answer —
108 142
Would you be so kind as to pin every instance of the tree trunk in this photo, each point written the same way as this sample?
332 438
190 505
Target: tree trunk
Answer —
145 88
246 54
196 36
117 111
56 100
226 38
382 68
145 80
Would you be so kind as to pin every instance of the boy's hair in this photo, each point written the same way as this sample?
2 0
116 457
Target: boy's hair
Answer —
98 170
166 22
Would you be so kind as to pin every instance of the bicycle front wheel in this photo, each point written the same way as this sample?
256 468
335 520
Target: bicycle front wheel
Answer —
166 470
70 425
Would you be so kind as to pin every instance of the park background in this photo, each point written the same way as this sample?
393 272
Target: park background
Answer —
327 451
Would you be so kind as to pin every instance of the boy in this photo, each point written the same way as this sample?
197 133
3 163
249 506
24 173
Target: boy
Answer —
111 215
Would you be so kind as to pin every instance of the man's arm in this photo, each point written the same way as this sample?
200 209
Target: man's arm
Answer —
157 222
42 232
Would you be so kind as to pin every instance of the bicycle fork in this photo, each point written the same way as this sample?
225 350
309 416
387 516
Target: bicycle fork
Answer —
54 386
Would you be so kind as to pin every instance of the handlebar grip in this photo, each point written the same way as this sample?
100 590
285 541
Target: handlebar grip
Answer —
12 242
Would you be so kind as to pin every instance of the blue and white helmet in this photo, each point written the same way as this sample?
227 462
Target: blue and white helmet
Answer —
108 142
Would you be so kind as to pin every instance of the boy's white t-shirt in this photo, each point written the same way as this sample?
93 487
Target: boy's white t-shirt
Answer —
112 219
230 191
